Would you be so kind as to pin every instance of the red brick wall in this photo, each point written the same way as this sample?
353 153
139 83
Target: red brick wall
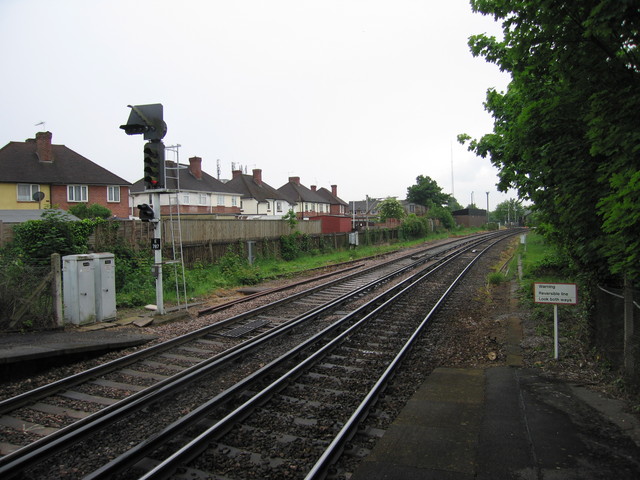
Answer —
331 224
96 194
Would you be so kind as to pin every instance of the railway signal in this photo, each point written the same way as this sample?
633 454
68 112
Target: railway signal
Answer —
146 213
147 120
154 165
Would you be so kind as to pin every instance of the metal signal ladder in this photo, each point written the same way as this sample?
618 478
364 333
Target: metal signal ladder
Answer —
172 183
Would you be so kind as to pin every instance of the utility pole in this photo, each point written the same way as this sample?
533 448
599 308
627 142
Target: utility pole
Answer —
487 208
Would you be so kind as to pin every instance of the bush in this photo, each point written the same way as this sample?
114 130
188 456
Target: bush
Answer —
237 268
290 246
95 210
36 240
414 227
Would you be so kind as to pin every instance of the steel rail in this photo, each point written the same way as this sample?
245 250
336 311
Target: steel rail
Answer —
14 462
134 454
195 447
335 448
26 398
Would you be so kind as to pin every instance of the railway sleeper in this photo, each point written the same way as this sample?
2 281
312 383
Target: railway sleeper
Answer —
274 444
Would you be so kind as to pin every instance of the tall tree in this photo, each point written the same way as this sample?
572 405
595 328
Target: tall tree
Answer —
508 211
426 192
566 130
390 208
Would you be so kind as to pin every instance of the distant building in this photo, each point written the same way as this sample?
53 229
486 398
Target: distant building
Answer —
470 217
194 191
307 202
257 197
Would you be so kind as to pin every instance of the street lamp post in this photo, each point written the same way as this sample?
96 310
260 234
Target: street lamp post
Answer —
487 208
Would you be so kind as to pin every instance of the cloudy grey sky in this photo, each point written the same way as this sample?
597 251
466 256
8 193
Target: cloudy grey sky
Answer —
363 94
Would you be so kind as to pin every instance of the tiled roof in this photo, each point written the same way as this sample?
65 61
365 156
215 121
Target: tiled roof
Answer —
294 193
365 206
19 163
330 197
251 189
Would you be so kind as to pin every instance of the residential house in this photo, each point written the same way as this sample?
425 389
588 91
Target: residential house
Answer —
64 178
190 190
364 213
307 203
413 208
337 206
258 198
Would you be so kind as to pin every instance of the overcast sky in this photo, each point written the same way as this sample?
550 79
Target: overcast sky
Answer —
363 94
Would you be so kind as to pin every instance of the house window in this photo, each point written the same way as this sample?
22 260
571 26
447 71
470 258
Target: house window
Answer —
202 199
185 199
279 207
113 194
220 199
77 193
234 201
26 191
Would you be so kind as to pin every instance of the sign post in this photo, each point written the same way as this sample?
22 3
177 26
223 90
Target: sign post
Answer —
555 294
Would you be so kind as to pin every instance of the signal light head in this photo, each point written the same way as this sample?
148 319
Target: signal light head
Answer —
154 165
146 213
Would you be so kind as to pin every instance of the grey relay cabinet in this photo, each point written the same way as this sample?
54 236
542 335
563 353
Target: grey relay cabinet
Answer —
89 287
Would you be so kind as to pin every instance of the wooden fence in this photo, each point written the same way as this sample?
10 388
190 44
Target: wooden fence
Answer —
207 240
195 230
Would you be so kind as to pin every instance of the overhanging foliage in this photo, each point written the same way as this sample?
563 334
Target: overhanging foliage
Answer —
566 130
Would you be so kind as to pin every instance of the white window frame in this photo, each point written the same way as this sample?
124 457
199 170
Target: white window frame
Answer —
29 196
74 191
279 206
221 200
234 201
202 198
185 198
113 193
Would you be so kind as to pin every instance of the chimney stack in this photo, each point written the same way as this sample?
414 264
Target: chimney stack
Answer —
43 147
295 180
313 188
257 176
195 167
334 190
236 173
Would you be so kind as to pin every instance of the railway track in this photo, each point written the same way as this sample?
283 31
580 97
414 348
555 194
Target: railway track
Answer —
317 307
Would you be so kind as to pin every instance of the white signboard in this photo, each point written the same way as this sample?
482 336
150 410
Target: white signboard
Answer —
556 293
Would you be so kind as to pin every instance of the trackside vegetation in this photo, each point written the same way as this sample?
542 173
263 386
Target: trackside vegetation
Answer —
23 261
565 132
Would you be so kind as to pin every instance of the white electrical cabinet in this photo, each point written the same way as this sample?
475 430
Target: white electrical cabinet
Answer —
78 283
89 289
105 286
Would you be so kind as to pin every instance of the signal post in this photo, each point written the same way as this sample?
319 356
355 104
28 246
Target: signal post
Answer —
147 120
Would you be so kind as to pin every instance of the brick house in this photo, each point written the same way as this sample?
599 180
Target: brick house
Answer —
337 206
191 190
64 177
307 202
258 198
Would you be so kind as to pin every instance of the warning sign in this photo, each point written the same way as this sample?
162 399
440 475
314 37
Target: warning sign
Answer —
556 293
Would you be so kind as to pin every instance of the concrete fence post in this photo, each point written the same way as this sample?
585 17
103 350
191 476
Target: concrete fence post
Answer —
56 289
